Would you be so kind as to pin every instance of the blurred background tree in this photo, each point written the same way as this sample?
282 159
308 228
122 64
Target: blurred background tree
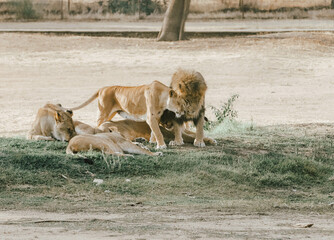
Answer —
173 24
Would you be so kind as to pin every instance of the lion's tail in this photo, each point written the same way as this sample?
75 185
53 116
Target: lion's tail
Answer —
91 99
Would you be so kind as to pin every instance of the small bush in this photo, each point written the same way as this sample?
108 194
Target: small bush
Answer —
25 10
224 112
131 7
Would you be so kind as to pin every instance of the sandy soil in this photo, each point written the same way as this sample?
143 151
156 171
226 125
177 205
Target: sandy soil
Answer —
281 78
163 223
191 26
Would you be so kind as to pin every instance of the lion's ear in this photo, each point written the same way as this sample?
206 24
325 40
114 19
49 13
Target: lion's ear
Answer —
172 93
70 112
57 117
113 129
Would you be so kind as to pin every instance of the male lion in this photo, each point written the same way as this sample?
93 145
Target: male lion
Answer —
145 101
109 143
191 87
52 123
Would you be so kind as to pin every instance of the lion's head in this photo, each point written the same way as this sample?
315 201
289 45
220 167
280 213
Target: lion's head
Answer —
63 129
176 103
189 86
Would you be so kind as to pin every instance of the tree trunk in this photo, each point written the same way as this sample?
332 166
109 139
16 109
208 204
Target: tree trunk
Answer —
174 21
332 4
241 7
61 9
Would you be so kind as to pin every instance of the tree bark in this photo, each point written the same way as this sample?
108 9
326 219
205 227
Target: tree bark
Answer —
173 25
241 7
61 9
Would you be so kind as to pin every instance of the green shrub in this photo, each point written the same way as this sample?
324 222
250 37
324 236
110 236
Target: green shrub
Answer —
224 112
131 6
25 10
275 170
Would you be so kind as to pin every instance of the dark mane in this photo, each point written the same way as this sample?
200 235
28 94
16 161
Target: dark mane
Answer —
168 117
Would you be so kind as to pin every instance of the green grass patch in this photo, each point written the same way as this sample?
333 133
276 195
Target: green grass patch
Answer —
249 164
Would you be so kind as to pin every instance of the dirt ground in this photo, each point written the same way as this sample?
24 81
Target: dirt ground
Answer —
284 78
281 78
163 223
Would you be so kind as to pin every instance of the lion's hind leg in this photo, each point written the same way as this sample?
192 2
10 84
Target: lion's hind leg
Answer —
189 137
130 147
106 112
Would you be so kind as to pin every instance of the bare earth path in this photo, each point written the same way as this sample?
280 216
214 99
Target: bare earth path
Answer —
281 78
163 223
192 26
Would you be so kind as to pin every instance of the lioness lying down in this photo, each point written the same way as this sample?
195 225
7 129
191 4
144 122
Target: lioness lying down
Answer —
52 122
83 128
146 102
132 130
109 143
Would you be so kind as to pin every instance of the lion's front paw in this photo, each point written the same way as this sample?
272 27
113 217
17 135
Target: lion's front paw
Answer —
161 146
158 154
123 155
176 143
198 143
141 145
212 141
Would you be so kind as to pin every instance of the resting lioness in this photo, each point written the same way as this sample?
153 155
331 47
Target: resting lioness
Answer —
145 102
109 143
83 128
132 130
52 123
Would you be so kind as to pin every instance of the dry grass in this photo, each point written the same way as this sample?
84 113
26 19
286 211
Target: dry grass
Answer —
295 13
100 10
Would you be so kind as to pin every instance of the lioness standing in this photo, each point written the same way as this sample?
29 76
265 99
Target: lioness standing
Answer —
145 102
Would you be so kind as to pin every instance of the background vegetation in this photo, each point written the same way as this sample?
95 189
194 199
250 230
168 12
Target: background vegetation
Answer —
154 10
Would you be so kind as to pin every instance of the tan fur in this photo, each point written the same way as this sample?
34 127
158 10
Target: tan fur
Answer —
83 128
191 87
52 123
137 102
109 143
132 130
129 129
